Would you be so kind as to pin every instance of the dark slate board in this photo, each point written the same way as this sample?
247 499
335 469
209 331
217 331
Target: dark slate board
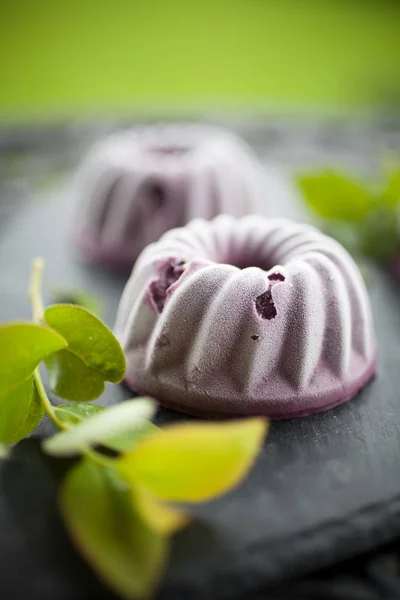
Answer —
325 487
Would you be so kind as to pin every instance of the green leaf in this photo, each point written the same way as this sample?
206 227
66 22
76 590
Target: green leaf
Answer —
92 357
335 196
71 379
78 297
378 234
127 439
193 462
100 516
20 412
22 347
347 234
391 194
101 427
76 412
157 514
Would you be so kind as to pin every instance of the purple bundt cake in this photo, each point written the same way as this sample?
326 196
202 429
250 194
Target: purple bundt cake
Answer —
137 184
245 317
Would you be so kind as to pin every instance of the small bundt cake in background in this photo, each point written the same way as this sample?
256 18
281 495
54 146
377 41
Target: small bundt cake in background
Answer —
137 184
246 316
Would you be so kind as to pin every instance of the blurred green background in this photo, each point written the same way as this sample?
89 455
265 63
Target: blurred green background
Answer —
88 57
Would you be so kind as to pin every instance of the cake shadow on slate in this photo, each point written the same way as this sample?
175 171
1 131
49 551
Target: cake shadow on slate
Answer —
246 316
136 184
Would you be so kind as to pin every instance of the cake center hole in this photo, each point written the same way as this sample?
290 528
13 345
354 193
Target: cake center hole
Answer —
245 256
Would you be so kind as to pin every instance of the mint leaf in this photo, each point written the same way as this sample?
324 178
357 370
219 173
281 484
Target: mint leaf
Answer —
22 347
101 427
76 412
20 412
101 518
335 196
92 357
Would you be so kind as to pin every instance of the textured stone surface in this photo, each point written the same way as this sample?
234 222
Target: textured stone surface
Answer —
325 487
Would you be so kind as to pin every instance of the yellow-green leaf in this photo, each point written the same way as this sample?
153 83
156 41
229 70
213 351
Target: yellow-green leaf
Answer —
391 194
336 196
378 234
76 412
105 425
22 347
20 412
159 515
70 378
128 438
108 531
193 462
92 357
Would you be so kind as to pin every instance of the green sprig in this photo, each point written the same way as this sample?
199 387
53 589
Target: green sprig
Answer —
363 216
118 510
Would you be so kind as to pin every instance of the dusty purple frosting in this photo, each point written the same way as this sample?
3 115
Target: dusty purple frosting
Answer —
137 184
246 316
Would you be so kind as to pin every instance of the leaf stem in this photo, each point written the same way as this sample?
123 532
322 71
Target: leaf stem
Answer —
35 293
44 399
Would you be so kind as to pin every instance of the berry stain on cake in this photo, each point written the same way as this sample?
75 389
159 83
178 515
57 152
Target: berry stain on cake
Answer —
169 272
248 316
264 303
